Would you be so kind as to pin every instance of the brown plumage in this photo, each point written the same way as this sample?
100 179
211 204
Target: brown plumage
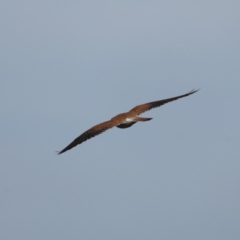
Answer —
123 120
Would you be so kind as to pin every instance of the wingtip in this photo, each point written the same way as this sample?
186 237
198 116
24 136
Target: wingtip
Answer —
194 90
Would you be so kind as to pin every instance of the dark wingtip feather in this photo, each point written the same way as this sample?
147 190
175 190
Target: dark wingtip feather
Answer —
194 90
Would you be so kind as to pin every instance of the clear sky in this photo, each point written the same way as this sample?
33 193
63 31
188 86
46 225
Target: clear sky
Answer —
68 65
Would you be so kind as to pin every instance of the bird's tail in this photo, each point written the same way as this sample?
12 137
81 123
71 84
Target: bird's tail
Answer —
141 119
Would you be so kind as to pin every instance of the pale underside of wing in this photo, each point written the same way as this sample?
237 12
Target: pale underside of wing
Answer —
92 132
148 106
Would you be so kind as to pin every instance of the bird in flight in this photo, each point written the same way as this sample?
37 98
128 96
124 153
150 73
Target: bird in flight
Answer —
123 120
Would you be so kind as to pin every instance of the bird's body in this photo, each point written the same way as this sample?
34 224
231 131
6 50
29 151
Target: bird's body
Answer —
123 120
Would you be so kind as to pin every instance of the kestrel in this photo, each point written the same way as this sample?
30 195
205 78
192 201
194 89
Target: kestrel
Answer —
123 120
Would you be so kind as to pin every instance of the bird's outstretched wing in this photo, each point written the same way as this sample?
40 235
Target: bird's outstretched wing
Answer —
148 106
92 132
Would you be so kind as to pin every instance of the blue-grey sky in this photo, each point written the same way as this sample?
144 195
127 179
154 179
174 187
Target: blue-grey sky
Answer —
68 65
